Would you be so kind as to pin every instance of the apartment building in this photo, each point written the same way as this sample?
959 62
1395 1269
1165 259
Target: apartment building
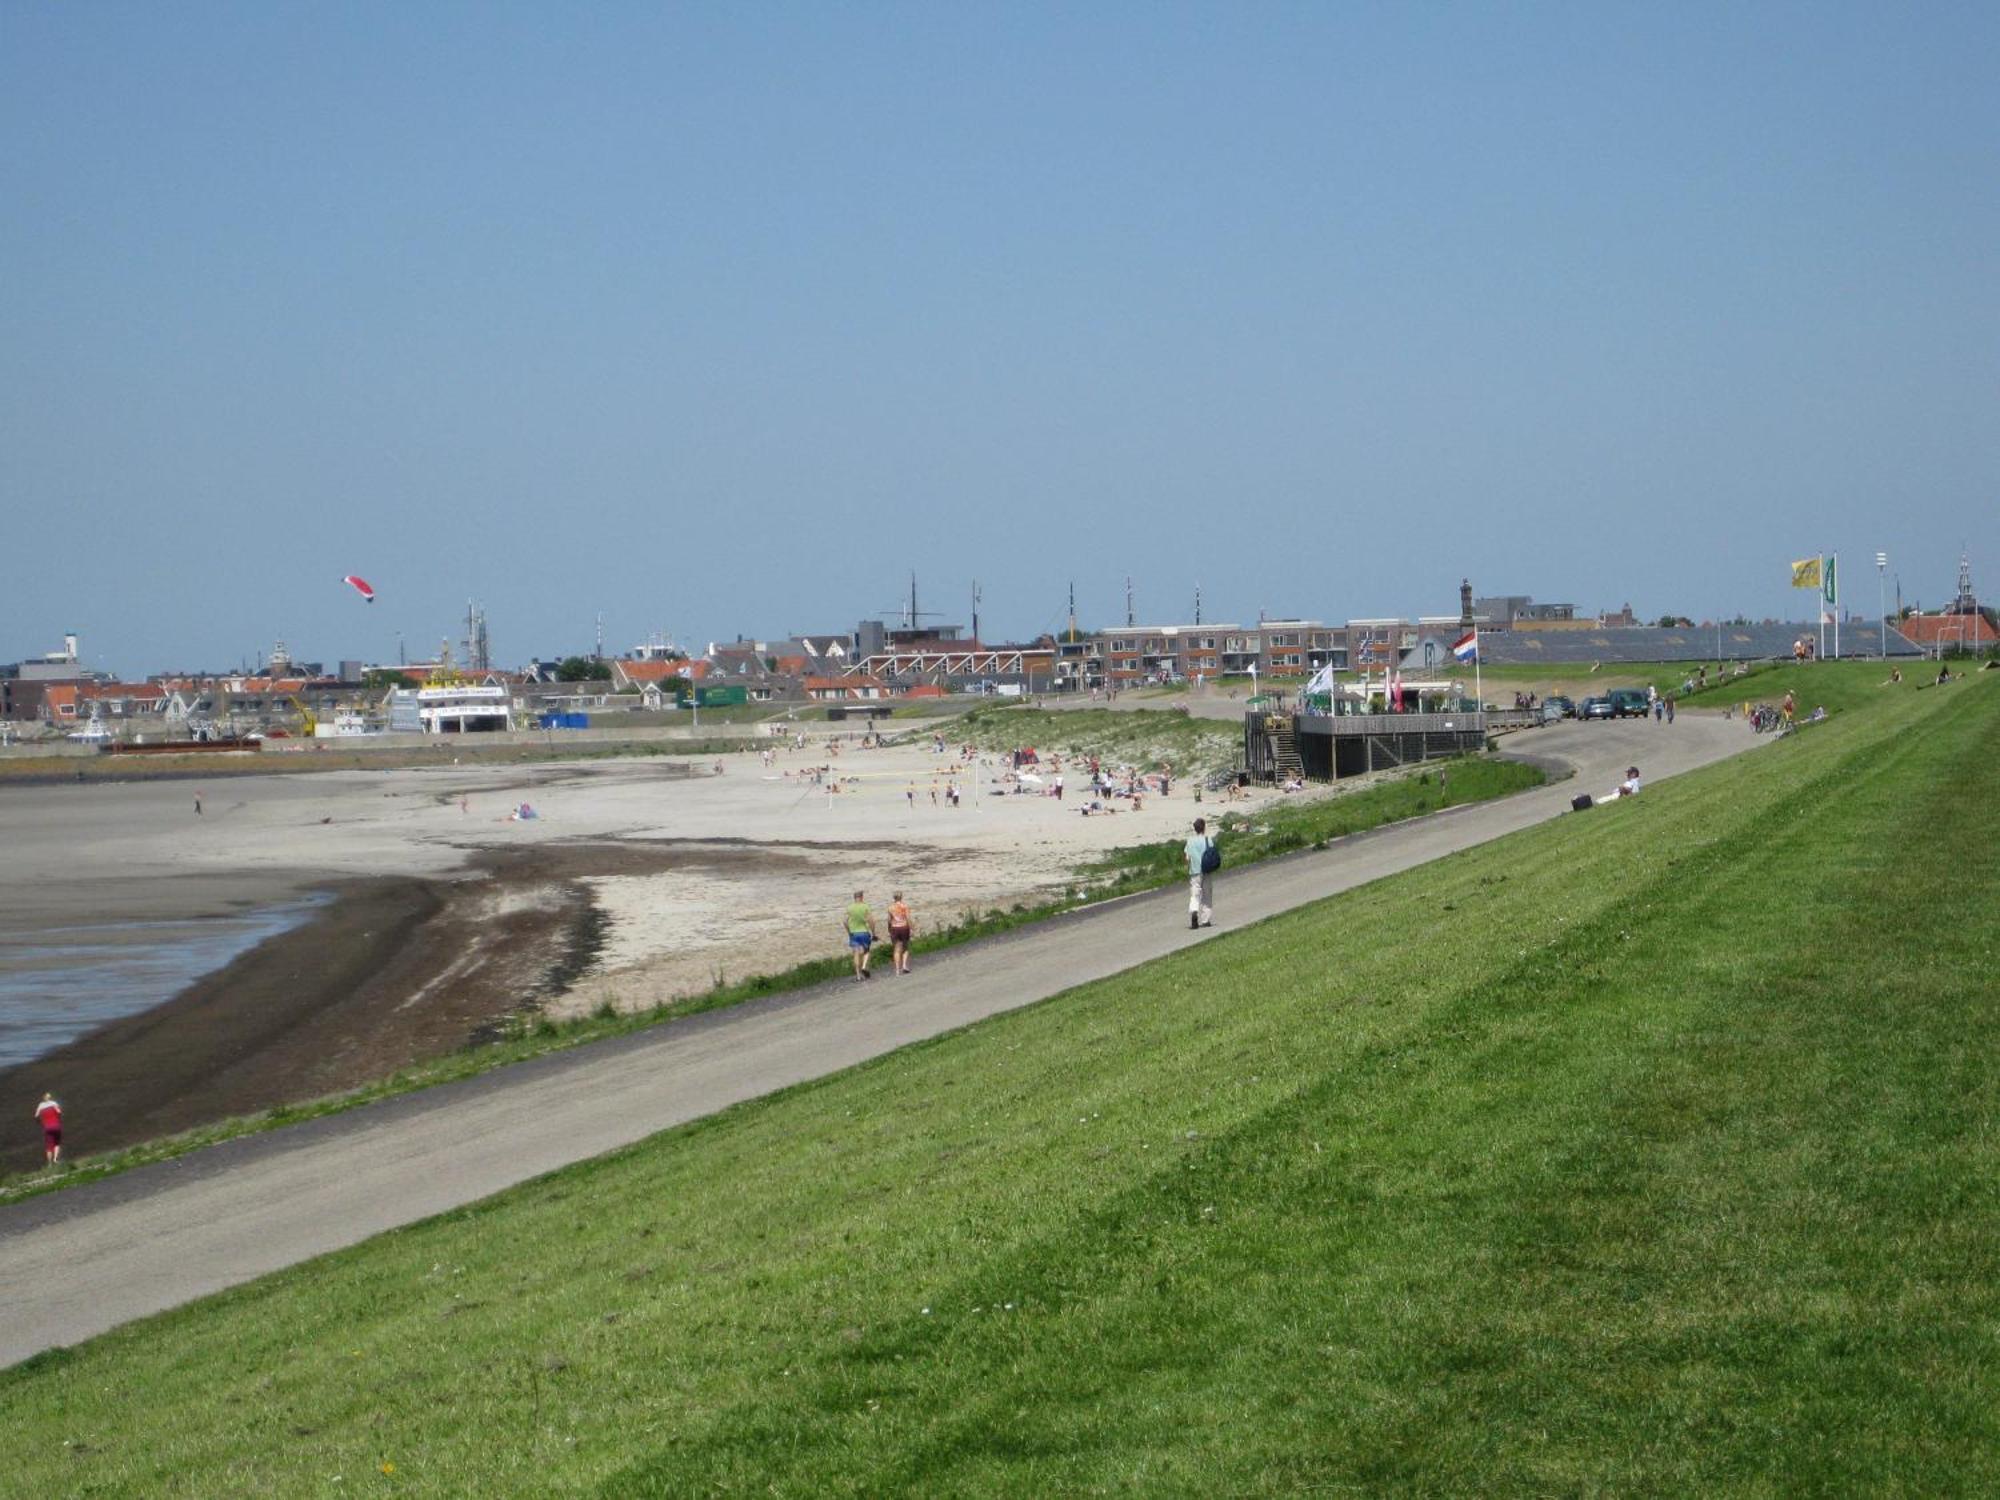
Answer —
1129 656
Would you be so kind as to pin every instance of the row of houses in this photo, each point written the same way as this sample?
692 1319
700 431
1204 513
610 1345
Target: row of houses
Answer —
897 662
877 662
795 669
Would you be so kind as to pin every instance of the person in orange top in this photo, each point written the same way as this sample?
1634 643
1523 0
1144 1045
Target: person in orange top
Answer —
50 1114
902 927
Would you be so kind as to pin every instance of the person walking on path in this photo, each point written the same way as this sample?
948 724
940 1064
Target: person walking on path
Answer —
902 927
1670 710
860 933
49 1113
1201 882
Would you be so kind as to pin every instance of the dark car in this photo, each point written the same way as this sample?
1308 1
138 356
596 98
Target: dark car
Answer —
1556 706
1594 708
1629 703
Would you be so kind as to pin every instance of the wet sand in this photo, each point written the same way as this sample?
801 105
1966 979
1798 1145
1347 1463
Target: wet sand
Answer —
389 971
295 1016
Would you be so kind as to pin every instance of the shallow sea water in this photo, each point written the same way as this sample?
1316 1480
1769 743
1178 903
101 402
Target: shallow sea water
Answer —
62 981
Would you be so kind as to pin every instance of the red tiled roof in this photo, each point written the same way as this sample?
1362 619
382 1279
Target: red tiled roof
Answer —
659 671
135 692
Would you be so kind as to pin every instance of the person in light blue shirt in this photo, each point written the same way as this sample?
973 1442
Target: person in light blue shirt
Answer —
1201 884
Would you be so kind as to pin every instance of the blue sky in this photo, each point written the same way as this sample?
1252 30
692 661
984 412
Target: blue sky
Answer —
725 318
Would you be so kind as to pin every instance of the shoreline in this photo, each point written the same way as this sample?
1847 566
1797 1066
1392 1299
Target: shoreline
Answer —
240 1038
389 971
392 970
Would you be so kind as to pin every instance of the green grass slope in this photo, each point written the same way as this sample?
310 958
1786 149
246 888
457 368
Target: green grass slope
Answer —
1662 1162
1836 686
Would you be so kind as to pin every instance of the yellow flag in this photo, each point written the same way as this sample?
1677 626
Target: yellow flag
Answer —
1805 573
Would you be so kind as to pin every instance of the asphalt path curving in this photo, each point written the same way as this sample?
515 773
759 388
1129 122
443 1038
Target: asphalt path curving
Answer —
75 1263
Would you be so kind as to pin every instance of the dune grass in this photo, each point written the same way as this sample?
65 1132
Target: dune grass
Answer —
1670 1169
1144 738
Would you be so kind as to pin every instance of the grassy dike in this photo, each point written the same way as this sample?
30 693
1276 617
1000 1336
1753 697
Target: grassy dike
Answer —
1667 1166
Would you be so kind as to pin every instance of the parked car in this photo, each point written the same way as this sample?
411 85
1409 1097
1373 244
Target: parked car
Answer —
1556 706
1629 703
1594 708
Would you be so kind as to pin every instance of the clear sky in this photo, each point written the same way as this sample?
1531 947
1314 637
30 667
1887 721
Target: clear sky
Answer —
724 318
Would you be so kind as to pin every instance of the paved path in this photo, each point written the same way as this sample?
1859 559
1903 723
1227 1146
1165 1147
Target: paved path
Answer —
75 1263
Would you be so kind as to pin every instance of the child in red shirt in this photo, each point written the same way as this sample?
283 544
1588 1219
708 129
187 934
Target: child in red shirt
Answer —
50 1114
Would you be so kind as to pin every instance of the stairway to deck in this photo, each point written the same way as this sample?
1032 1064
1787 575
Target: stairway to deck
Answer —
1285 751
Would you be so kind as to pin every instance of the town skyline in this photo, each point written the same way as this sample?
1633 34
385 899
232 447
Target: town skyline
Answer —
465 648
131 664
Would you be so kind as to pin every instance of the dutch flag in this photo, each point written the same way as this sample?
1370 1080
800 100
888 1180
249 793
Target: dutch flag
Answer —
1466 648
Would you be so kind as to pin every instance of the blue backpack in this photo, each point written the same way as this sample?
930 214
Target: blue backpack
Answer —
1211 859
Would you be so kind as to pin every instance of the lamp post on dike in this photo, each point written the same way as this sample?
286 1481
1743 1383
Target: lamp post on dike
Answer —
1882 600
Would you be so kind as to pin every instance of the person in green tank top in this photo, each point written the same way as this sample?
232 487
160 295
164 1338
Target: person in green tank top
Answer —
860 933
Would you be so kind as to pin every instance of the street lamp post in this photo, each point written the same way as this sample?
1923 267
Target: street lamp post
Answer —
1882 599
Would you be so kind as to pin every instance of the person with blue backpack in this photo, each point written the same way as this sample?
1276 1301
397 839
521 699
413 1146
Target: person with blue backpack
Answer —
1204 858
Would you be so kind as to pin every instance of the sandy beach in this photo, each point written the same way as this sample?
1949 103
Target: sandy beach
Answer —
636 883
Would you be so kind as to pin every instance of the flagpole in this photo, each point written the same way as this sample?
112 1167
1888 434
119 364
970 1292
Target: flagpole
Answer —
1821 611
1478 678
1833 598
